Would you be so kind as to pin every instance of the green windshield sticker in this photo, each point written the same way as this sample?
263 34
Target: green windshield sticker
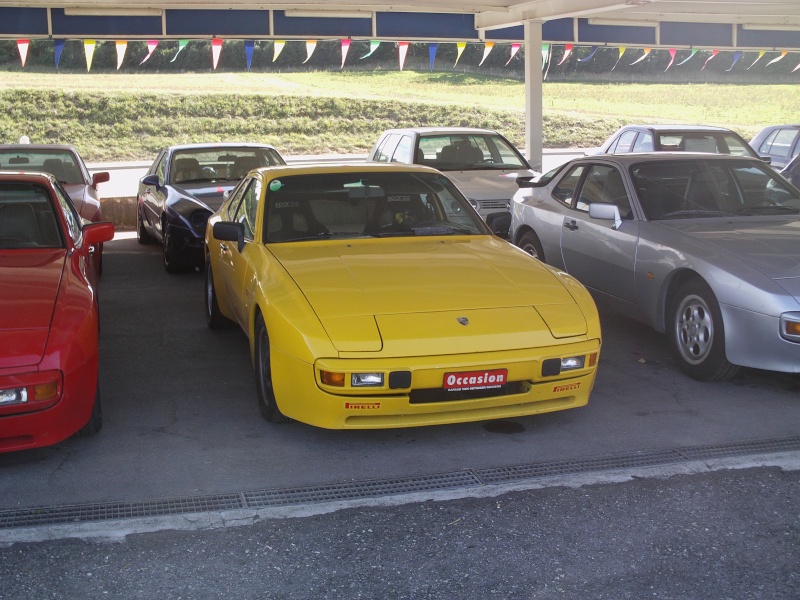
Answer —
275 185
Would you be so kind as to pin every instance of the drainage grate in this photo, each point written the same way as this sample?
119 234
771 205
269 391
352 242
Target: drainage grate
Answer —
83 513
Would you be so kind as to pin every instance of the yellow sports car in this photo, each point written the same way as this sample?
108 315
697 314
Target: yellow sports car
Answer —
374 296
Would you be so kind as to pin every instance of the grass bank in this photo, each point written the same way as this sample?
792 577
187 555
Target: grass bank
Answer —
114 116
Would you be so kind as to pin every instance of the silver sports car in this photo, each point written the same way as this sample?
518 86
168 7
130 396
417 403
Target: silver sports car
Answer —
703 247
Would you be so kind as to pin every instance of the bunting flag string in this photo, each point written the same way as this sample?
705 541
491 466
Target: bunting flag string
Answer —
181 45
22 46
249 46
121 46
311 45
777 58
460 46
760 54
796 68
688 58
432 48
277 49
151 47
216 50
345 50
403 47
621 52
59 48
672 52
591 56
88 49
567 52
373 45
514 49
486 50
736 58
641 58
713 54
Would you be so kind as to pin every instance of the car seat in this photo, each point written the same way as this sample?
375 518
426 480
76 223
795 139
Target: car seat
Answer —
56 168
242 166
185 169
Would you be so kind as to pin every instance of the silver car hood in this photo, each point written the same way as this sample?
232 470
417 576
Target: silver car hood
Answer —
771 244
481 184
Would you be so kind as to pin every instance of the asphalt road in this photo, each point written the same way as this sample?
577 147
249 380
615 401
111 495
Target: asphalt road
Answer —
181 422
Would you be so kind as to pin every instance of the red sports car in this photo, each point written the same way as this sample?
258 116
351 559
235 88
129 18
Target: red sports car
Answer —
48 314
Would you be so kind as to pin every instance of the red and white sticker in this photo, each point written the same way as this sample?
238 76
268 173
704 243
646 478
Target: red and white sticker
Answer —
475 380
362 405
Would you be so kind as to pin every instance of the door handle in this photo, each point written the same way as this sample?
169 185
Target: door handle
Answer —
571 225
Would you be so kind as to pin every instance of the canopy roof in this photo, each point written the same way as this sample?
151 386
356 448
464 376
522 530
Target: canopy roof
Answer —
718 23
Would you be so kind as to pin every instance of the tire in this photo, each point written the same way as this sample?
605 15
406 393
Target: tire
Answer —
172 263
697 333
530 243
96 419
266 396
142 236
214 318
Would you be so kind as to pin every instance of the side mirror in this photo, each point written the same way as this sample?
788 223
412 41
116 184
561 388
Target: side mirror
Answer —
100 177
97 233
499 223
605 211
525 181
226 231
766 159
152 180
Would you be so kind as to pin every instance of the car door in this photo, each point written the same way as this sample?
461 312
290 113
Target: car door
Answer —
234 266
153 197
594 251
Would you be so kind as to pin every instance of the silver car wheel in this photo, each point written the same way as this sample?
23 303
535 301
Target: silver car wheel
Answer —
694 329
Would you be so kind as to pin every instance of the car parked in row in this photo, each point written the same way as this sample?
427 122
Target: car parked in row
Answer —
48 314
374 296
482 163
183 187
781 143
703 247
675 138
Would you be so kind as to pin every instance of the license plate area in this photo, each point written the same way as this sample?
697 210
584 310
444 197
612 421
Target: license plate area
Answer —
475 380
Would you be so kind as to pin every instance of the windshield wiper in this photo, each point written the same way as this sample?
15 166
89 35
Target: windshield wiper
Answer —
765 209
695 213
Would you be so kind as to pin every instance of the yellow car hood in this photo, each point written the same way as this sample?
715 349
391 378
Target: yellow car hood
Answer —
409 297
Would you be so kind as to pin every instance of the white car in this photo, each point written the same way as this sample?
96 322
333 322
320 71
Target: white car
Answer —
482 163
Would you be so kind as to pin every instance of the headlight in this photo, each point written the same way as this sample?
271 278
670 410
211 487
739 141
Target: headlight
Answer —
790 326
366 380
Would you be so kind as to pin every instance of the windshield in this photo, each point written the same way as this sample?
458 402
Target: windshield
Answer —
27 219
353 205
714 142
59 163
219 164
692 188
464 152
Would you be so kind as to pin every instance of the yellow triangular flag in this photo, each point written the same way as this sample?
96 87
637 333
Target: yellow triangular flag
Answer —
121 47
279 44
460 46
88 48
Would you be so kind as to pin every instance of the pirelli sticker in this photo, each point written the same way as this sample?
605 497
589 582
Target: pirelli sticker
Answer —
566 388
362 405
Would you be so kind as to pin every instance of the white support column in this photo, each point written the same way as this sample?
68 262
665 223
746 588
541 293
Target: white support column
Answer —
534 126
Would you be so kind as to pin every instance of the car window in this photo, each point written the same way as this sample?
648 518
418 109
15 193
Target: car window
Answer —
737 146
61 164
782 142
403 152
221 164
604 184
74 223
386 149
692 189
625 142
27 219
161 167
247 208
644 143
565 189
366 204
764 148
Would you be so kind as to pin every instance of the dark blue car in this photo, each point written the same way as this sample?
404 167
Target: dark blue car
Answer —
183 187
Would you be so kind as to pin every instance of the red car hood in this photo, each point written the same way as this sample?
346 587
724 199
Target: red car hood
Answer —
27 300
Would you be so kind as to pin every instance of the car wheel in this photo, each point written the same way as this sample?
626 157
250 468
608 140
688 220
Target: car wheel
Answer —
214 318
697 333
266 395
96 419
171 262
530 243
142 236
